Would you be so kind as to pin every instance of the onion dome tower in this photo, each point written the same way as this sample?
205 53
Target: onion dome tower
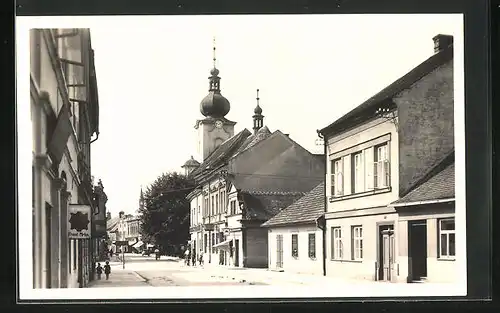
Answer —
258 118
215 128
214 104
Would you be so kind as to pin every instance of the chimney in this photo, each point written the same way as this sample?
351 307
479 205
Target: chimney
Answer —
121 214
442 42
108 215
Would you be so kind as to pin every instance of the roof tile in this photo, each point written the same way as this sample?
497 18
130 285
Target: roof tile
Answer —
306 209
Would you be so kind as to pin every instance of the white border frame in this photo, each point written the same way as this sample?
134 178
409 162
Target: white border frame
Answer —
361 290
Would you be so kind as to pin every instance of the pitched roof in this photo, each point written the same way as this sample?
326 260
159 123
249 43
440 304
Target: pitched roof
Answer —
223 152
369 107
306 209
112 224
252 140
262 206
439 185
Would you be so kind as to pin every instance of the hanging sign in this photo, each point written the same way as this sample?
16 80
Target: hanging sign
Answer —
79 225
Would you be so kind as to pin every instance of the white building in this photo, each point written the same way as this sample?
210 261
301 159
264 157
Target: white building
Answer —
295 237
64 115
396 142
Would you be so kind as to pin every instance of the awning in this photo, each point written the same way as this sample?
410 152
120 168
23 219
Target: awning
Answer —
222 245
131 242
138 244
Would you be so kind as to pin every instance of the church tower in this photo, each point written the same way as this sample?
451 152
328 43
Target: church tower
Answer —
141 201
214 129
258 118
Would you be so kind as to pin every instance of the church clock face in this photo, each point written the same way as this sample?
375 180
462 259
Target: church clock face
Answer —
218 124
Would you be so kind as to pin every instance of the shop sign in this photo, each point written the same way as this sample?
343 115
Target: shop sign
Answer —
79 221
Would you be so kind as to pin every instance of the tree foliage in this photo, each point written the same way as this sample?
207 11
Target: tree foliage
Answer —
165 214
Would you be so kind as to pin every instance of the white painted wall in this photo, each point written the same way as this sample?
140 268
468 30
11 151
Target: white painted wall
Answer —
351 138
303 263
346 267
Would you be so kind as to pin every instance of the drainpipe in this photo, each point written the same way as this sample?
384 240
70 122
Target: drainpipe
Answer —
325 203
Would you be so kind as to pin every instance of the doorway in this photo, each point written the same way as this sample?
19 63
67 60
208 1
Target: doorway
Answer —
386 253
237 252
417 249
279 251
48 239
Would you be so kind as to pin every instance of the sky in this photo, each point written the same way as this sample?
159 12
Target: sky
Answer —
152 73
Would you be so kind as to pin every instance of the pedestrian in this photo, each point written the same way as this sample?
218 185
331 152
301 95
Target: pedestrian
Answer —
193 258
157 254
99 271
186 257
107 270
110 253
201 257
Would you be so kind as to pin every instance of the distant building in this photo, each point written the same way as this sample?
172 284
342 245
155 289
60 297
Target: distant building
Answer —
65 118
242 181
390 179
295 237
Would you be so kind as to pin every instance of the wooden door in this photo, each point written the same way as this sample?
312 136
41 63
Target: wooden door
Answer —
388 254
279 251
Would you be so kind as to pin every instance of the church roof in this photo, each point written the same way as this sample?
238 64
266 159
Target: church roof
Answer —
223 152
252 140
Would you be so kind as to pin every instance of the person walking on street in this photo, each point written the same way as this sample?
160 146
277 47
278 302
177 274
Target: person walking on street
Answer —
186 257
157 254
193 258
201 257
107 270
98 270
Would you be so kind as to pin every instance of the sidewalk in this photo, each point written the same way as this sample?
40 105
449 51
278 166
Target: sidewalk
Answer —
119 278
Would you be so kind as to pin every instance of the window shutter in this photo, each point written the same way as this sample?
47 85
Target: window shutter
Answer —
369 178
387 172
340 184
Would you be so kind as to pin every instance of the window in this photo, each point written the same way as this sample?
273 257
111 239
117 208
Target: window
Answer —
212 208
336 177
447 238
295 245
357 243
357 172
217 208
233 207
205 242
206 208
336 243
381 167
312 246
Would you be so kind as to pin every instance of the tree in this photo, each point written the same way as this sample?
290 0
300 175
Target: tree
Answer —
165 214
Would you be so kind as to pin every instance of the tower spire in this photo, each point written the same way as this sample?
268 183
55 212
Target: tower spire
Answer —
214 58
258 118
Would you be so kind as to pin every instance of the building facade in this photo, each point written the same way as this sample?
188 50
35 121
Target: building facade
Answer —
242 181
64 115
376 155
295 235
133 235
